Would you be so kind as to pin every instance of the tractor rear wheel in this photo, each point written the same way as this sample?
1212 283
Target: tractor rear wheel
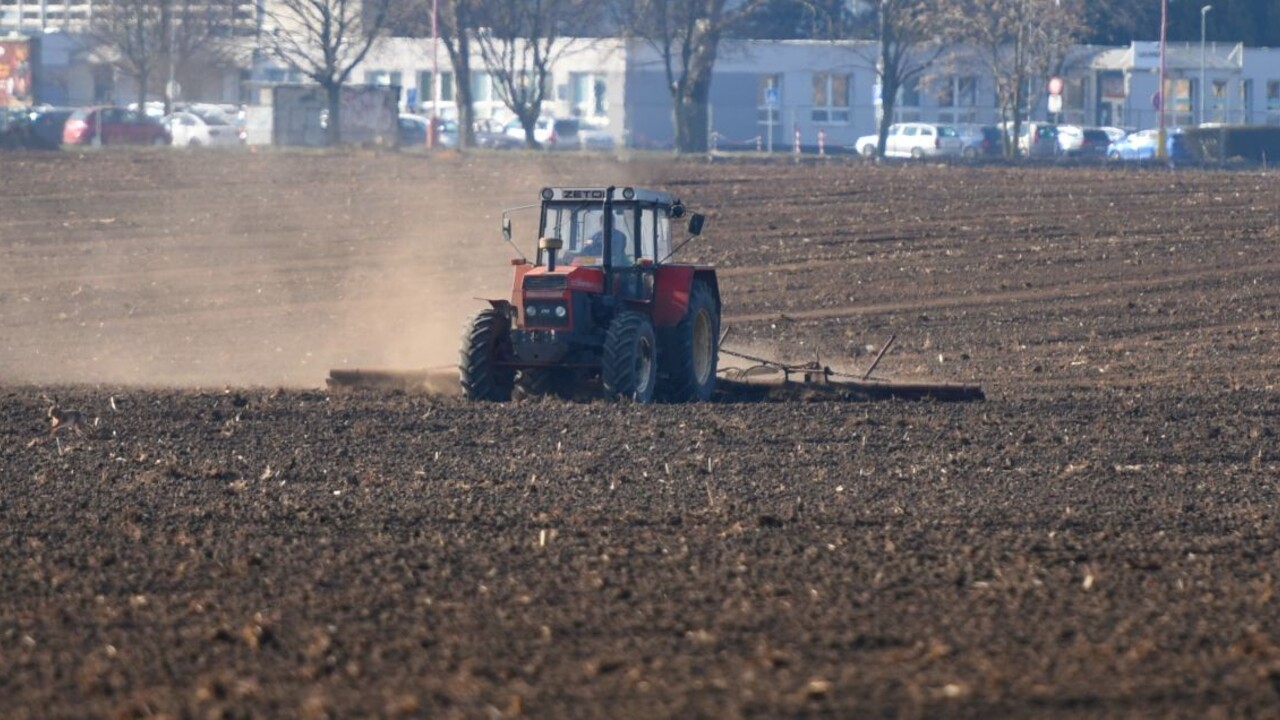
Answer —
630 364
485 343
690 351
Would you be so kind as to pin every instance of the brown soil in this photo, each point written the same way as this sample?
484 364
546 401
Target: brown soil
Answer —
221 537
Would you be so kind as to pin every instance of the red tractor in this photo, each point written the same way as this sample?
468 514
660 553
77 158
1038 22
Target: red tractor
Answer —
600 302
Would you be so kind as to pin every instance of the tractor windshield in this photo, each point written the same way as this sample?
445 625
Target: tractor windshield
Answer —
581 227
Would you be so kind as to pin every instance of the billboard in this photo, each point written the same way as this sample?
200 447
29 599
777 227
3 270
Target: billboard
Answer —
17 86
16 83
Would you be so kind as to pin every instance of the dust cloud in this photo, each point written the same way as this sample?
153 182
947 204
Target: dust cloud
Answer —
210 270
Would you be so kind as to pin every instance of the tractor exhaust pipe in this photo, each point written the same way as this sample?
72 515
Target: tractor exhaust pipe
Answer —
550 245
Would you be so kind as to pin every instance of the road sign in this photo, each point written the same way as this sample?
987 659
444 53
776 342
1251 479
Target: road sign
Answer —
1055 86
1055 103
771 96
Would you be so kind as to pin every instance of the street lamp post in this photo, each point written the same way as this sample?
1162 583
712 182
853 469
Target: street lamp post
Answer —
1203 12
433 123
1161 135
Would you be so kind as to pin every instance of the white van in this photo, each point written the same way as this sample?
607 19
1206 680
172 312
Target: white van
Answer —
916 140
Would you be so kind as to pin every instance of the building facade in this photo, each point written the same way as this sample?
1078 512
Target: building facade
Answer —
762 92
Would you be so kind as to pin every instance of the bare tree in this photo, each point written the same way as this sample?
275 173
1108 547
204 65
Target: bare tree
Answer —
130 36
325 40
907 47
145 38
453 25
520 42
1018 42
686 35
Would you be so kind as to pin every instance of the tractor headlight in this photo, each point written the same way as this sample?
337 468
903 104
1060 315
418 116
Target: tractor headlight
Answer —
561 311
531 310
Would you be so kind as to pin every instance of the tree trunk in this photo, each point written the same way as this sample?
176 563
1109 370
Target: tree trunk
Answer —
690 112
890 80
888 103
459 50
166 51
529 121
333 133
144 76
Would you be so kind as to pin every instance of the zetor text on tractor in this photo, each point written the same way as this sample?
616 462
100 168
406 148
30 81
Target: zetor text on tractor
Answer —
600 302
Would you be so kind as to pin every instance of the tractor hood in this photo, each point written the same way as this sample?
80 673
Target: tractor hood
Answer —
534 281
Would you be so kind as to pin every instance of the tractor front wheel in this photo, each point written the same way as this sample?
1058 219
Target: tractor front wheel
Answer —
690 351
485 343
630 364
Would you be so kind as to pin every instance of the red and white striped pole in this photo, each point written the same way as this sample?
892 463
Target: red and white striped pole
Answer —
822 141
796 150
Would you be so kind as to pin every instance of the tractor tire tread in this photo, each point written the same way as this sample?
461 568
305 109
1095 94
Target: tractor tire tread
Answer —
618 367
479 377
677 381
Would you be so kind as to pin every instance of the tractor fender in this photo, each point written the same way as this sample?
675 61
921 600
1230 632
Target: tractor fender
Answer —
517 283
671 292
503 306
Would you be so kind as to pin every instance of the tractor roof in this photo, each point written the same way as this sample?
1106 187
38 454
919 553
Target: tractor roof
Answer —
620 194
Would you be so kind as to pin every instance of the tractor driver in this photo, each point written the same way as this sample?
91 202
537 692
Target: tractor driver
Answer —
595 244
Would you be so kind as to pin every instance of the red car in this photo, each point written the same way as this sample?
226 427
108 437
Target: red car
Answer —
118 127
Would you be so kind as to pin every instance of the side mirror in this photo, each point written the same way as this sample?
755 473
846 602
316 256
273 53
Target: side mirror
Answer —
695 223
506 229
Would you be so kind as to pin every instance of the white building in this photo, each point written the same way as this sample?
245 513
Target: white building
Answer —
783 86
761 91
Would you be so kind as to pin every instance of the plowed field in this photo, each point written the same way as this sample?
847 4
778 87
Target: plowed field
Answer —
223 537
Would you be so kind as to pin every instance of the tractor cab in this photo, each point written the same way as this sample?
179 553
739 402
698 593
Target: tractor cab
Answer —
623 232
599 300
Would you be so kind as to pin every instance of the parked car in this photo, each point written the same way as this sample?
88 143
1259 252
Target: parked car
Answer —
47 125
202 129
1076 141
1115 134
914 140
15 128
413 131
980 141
595 137
112 126
1036 139
489 135
1141 145
550 133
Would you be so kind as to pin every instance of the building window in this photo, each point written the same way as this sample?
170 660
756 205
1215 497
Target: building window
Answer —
384 78
830 98
909 94
481 87
588 96
958 92
946 96
1273 94
766 112
426 89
